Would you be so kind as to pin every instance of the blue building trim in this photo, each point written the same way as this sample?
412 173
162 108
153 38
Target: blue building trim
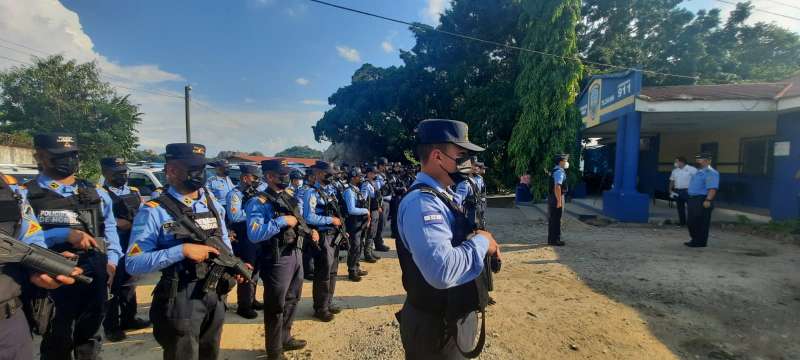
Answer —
785 194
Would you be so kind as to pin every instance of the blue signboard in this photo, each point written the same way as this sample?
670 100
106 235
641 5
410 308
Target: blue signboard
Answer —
609 96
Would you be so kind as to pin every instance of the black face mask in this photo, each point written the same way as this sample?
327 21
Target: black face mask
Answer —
283 182
326 180
119 179
65 165
463 168
195 179
225 172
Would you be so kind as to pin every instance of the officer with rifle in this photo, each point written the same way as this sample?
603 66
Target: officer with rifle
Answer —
76 216
320 210
442 258
275 223
357 220
126 200
182 234
384 185
24 260
369 189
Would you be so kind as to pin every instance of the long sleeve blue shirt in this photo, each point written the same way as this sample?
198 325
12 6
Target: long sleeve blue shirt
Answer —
350 198
262 221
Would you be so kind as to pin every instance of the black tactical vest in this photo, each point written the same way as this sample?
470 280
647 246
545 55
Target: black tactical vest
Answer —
375 204
81 211
11 275
288 236
208 222
125 206
452 303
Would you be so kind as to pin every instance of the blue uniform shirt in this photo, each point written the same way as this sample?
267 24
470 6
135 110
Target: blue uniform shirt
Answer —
59 235
368 191
350 198
124 190
705 179
463 191
425 224
315 216
379 181
559 175
233 206
262 221
152 248
30 231
220 186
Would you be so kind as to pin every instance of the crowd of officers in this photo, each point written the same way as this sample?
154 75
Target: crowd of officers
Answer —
280 222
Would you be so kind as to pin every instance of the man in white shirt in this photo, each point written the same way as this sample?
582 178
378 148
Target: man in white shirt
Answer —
678 185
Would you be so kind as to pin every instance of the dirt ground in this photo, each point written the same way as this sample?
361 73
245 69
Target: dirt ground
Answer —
614 292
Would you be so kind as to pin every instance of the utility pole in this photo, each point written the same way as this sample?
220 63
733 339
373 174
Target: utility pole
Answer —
187 98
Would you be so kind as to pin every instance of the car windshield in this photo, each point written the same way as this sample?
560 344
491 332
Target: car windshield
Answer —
162 178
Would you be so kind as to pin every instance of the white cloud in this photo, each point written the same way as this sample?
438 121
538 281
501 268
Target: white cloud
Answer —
50 27
302 81
296 10
433 9
248 100
387 46
348 53
314 102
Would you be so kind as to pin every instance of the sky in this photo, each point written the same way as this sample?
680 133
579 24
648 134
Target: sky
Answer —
260 70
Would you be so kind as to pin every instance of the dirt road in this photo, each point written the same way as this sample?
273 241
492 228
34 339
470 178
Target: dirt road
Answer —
616 292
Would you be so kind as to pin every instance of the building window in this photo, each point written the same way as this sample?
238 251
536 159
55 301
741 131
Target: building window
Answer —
755 157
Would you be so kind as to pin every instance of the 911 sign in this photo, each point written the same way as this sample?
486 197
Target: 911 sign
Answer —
623 89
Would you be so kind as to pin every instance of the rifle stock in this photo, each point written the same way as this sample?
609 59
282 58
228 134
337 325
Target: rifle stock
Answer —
37 258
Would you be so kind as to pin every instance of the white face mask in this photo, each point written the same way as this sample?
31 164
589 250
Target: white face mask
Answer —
566 165
676 165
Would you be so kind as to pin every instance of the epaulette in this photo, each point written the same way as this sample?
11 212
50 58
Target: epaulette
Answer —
134 188
262 199
152 204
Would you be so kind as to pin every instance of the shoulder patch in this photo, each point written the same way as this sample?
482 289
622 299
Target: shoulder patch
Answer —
432 217
10 180
135 250
152 204
33 228
262 199
53 185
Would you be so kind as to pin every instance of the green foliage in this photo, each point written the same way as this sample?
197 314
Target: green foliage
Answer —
547 88
300 152
16 139
54 94
146 156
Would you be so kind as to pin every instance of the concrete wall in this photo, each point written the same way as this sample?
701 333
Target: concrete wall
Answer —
16 155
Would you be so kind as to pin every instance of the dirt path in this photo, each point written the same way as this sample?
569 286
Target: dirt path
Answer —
617 292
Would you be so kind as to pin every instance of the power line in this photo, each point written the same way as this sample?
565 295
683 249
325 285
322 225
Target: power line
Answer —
756 9
785 4
491 42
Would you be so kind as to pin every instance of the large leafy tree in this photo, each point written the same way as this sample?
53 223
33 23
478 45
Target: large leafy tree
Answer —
547 88
55 94
300 152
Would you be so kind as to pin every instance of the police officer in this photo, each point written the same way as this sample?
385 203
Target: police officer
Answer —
297 184
249 187
315 201
358 218
702 190
19 222
76 216
220 184
384 188
441 258
187 319
297 187
469 196
399 189
369 189
278 231
126 200
555 199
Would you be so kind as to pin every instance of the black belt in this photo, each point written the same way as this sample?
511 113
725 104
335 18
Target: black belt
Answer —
696 196
9 308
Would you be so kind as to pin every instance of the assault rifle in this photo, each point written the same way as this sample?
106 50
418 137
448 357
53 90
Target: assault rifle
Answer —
342 239
283 206
37 258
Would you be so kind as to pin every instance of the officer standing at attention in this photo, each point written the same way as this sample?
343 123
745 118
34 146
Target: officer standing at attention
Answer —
441 258
279 233
384 189
249 186
76 216
358 218
678 185
702 190
469 197
297 186
19 222
126 200
187 319
369 189
220 184
555 200
326 255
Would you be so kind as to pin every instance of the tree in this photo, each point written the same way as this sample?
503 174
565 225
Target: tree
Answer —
256 153
54 94
147 155
300 152
546 88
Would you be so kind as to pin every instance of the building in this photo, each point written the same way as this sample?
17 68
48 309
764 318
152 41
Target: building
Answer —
753 131
297 162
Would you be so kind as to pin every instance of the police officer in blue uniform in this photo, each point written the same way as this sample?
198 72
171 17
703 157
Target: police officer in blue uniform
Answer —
77 216
470 196
555 199
442 259
220 184
249 187
315 201
19 221
385 190
126 200
272 225
358 219
297 185
187 318
369 189
702 190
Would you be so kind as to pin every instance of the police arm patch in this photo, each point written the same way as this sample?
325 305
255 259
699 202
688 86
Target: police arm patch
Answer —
151 204
135 250
432 217
33 228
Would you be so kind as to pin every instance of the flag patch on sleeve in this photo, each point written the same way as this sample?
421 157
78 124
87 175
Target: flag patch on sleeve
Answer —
432 217
135 250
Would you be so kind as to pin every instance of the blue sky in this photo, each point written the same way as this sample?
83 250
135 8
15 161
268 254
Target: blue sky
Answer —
265 67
